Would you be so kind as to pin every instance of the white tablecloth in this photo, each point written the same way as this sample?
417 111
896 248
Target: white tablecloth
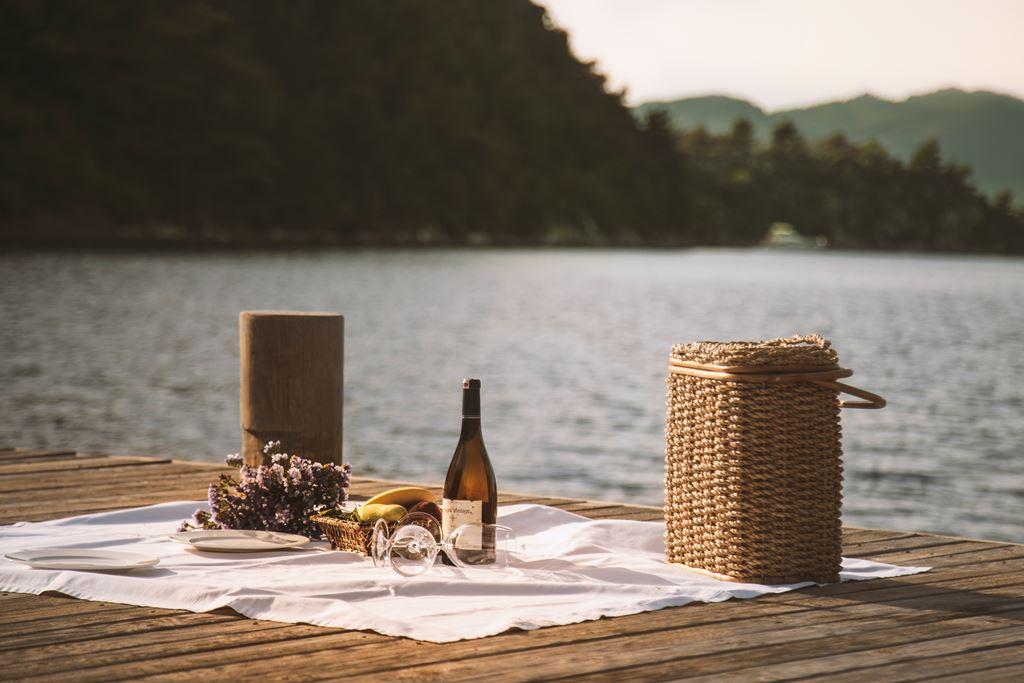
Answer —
573 570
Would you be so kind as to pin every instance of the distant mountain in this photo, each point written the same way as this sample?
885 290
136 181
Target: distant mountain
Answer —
984 130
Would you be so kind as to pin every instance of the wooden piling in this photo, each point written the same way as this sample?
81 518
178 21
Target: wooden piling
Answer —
291 383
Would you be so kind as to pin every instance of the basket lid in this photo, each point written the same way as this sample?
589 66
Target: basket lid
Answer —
803 350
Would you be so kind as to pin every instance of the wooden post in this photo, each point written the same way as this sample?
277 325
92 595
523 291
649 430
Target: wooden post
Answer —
292 369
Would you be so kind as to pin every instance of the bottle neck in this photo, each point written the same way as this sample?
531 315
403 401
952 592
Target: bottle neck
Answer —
471 402
470 410
470 428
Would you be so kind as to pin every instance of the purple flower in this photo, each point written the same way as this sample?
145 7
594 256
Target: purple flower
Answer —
275 497
234 460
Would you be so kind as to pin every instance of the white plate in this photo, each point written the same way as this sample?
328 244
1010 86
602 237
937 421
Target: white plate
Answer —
83 559
239 540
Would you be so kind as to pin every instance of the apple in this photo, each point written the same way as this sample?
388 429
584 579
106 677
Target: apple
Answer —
429 507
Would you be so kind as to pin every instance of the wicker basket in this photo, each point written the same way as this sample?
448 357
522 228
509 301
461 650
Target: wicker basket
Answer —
355 536
753 460
346 535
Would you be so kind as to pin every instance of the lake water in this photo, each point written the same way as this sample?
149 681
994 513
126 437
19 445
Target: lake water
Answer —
138 353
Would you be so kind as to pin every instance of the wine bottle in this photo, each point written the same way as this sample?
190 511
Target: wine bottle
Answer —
470 492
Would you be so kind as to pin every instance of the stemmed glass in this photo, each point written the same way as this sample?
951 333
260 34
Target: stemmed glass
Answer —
412 546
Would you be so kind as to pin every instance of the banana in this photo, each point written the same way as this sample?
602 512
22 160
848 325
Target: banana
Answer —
371 513
406 496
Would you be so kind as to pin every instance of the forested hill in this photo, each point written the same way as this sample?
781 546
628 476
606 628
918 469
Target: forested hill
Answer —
983 130
351 121
360 122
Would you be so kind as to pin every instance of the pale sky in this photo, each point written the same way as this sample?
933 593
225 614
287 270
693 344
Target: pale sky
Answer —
784 53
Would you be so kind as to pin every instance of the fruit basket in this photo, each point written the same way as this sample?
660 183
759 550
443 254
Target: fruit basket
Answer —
345 534
353 530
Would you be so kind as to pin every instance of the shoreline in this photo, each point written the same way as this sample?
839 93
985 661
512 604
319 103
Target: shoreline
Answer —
202 248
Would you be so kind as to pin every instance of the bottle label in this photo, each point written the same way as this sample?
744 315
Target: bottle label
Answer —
455 513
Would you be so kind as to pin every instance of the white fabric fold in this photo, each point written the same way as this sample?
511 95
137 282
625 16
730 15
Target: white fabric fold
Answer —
572 569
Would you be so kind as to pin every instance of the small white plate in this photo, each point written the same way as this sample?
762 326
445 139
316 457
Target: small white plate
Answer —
82 559
239 540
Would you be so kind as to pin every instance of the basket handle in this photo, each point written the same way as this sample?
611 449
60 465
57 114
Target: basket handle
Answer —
767 374
871 401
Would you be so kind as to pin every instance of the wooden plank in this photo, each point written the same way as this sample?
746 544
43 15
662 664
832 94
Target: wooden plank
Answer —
921 652
59 625
570 651
763 620
26 607
199 465
936 596
971 660
917 542
148 480
517 499
635 514
74 465
1013 568
81 620
46 485
40 511
854 541
374 486
15 457
240 648
24 453
1012 673
95 638
855 535
580 507
966 551
7 599
671 654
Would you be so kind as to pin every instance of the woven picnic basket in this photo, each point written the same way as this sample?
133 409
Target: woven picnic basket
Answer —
753 459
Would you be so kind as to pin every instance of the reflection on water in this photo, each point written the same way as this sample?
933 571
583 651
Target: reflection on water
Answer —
138 353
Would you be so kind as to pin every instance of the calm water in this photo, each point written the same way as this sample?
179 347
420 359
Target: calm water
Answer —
137 353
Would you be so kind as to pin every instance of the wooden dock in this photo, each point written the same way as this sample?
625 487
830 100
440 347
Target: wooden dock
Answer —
963 620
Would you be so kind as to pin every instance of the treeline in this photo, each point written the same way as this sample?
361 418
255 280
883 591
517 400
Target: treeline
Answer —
857 196
360 122
338 121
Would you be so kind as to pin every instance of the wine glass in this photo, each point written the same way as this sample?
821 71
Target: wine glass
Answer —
411 547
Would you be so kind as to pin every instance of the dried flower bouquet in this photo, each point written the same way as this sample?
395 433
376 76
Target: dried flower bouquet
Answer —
276 497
